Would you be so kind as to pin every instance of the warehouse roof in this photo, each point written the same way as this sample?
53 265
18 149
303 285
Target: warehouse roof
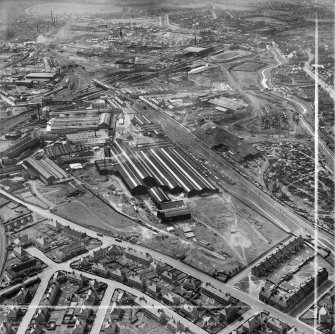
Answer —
194 49
167 167
158 195
46 75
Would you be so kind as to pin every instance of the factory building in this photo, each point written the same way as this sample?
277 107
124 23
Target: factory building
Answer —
167 168
159 196
88 138
22 145
140 120
105 121
72 121
41 76
46 170
178 213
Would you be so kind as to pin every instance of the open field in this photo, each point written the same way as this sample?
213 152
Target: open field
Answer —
60 8
247 79
232 228
248 67
230 55
90 211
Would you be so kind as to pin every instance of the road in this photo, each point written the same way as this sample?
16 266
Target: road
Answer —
266 74
107 241
321 82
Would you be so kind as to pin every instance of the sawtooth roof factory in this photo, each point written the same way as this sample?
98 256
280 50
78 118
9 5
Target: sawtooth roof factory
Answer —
167 168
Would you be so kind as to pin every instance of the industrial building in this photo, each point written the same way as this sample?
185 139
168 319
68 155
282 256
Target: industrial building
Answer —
167 168
56 150
140 120
221 140
75 121
173 214
158 195
88 138
41 76
46 170
22 145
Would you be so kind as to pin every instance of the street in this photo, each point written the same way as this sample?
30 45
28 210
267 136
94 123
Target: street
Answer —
108 241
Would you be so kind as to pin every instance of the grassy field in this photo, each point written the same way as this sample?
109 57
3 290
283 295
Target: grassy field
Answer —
246 79
90 211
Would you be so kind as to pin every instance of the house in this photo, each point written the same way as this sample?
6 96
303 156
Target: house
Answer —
91 298
191 284
23 268
20 253
220 297
15 216
116 313
174 326
169 299
6 327
22 240
79 326
74 234
37 329
152 312
138 257
251 324
117 275
153 290
111 328
324 316
13 314
52 293
160 267
76 278
114 251
84 313
168 277
210 323
84 263
99 254
228 314
41 316
24 296
100 269
135 281
276 325
42 244
189 311
69 251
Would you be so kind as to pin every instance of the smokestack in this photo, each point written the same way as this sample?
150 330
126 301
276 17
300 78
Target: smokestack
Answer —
37 27
52 20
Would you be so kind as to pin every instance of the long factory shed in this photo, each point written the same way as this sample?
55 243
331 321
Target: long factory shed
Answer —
167 168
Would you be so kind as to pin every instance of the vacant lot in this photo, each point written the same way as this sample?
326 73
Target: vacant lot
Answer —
90 211
229 55
246 79
232 228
